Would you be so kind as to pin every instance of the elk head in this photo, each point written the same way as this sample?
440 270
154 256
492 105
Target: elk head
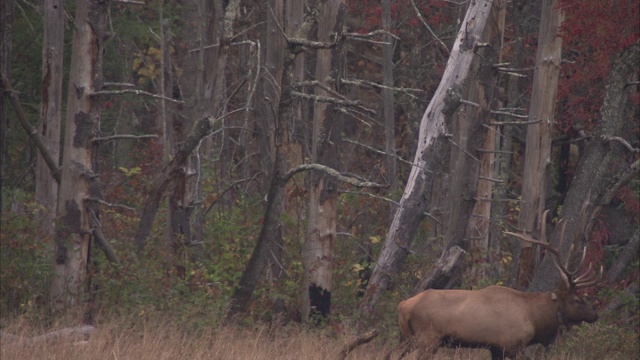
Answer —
571 307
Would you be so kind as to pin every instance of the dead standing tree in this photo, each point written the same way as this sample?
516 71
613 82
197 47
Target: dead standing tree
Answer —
280 174
78 183
475 35
596 180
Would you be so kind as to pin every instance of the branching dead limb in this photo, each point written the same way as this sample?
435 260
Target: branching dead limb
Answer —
332 172
360 340
623 142
124 137
136 92
424 22
33 133
335 101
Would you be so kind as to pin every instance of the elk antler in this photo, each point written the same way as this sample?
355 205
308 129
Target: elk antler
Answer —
584 280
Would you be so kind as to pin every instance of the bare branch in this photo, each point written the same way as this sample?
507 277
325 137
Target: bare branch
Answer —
372 34
52 164
422 20
100 201
623 142
332 172
322 86
367 84
507 113
463 150
101 240
124 136
362 339
332 100
132 2
381 152
370 195
113 84
137 92
499 123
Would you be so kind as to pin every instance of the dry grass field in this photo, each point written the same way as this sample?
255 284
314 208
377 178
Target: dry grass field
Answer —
156 339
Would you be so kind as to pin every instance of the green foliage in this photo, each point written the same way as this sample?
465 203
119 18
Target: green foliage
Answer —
25 259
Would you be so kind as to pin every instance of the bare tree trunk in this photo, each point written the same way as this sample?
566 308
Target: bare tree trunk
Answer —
323 192
79 184
180 122
271 88
201 128
524 18
595 177
6 41
432 140
467 141
538 142
51 109
275 141
628 254
387 97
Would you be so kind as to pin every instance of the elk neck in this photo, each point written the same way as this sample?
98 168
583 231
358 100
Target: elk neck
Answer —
562 324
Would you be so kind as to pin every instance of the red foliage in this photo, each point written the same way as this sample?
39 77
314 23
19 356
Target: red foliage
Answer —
596 251
402 14
593 32
630 201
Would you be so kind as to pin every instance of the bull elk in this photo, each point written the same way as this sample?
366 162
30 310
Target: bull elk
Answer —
501 319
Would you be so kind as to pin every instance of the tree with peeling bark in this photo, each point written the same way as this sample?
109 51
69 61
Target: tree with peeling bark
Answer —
79 186
50 109
542 107
323 189
477 32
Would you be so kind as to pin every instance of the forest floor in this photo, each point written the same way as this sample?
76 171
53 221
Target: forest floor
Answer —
152 339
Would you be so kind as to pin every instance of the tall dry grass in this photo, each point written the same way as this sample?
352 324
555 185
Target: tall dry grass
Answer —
156 339
160 340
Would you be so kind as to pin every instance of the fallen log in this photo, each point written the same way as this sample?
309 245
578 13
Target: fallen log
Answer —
79 333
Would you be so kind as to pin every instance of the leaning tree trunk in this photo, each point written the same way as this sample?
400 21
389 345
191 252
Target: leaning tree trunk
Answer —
431 143
79 185
275 107
595 175
469 131
323 191
538 142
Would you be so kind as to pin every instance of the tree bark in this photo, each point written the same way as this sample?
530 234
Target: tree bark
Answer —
469 130
279 63
50 109
628 254
79 184
201 129
432 138
387 97
538 142
595 174
323 191
6 41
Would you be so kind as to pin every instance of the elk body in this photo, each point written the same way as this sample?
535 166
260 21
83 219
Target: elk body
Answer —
498 318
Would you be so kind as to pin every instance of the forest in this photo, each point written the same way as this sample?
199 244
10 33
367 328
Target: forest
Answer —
247 179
